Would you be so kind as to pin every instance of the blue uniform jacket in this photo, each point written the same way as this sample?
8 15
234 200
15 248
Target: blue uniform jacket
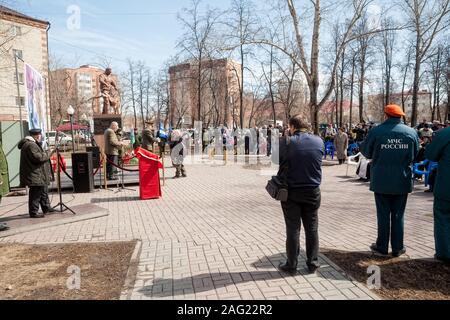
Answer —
439 151
392 146
304 158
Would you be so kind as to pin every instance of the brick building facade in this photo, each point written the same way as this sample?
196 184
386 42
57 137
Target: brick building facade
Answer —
219 82
27 38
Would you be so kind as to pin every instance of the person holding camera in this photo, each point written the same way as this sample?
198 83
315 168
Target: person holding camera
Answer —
301 157
35 173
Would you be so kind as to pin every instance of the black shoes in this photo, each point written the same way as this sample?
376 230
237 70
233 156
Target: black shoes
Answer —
3 227
399 254
37 216
376 251
313 269
443 260
285 267
51 210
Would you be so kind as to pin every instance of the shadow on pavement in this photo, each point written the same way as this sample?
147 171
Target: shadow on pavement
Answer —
209 281
114 199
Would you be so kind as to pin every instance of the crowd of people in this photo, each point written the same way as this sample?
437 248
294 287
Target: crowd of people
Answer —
393 148
147 140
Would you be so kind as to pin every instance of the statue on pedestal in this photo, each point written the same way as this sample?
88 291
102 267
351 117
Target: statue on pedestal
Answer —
109 91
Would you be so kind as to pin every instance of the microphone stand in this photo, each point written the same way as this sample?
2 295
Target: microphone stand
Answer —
62 206
122 182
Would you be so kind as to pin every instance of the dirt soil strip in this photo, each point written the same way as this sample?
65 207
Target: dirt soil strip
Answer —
401 278
40 272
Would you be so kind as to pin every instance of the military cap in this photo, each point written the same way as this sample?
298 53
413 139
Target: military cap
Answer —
34 132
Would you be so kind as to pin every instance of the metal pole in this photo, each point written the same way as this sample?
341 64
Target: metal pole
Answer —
18 95
71 131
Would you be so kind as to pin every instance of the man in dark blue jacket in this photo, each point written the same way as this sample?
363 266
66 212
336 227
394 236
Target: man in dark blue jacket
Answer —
439 151
392 146
301 155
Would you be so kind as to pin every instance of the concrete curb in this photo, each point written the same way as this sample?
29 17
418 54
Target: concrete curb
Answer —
46 225
359 285
130 279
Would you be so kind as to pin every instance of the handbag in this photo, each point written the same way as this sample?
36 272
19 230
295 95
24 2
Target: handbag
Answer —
277 187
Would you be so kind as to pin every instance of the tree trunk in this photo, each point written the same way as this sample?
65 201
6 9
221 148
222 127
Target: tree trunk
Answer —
416 85
352 84
199 90
272 96
361 95
241 89
341 89
133 98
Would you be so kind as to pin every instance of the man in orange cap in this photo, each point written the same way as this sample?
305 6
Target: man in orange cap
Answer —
392 146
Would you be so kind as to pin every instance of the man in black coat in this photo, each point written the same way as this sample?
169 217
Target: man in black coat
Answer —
35 173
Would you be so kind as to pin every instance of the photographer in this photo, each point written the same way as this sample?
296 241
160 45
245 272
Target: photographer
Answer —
301 156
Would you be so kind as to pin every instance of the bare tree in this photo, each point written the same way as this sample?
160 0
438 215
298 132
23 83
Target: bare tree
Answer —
364 44
289 87
352 84
196 41
129 89
436 70
447 84
428 19
388 41
311 69
243 27
162 95
268 73
62 91
406 70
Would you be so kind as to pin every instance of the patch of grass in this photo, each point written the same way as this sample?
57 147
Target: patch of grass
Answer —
39 272
401 279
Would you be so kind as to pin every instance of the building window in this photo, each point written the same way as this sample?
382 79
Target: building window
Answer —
21 101
16 31
20 78
18 53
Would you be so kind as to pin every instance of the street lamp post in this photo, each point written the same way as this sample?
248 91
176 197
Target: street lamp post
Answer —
71 112
84 120
18 92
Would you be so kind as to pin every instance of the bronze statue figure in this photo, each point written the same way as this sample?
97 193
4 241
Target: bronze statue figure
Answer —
108 88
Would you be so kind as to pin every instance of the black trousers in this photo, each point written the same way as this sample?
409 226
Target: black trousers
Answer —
38 196
111 171
302 206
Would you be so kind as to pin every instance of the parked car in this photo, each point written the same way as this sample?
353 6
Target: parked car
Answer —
62 139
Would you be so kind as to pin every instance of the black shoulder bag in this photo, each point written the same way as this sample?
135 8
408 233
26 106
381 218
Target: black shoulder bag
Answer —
277 187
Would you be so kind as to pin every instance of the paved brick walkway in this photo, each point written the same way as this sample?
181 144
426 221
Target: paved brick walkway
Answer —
217 235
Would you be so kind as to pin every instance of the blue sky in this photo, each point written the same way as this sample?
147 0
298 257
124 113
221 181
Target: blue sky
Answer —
138 29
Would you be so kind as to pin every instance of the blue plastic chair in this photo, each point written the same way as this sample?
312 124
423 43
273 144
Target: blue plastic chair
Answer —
353 149
429 167
330 150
